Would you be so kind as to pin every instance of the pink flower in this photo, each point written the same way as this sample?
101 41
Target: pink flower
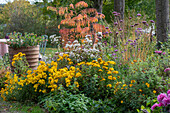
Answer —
158 51
167 69
160 104
163 53
153 107
161 97
166 101
168 92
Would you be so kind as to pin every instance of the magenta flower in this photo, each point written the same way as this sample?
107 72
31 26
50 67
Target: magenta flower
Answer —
152 21
167 69
107 27
154 106
116 50
130 17
139 14
158 51
163 53
160 104
161 97
139 29
168 92
114 12
144 22
166 101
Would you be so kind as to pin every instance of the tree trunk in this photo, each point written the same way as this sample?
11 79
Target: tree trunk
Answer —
162 20
119 6
98 4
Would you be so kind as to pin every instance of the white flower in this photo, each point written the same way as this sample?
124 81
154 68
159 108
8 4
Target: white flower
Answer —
61 54
75 41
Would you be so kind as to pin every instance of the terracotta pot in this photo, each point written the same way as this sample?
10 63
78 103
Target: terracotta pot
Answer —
32 55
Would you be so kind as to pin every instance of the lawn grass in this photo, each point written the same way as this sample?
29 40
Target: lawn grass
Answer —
16 107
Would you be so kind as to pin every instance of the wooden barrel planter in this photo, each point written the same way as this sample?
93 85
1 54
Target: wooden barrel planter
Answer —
32 56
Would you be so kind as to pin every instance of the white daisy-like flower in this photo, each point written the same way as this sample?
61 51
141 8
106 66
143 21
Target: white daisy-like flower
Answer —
75 41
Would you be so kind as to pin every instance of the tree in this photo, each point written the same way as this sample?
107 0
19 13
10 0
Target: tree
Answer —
98 4
162 20
119 6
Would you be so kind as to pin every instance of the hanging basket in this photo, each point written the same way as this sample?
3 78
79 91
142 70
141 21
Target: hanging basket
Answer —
32 55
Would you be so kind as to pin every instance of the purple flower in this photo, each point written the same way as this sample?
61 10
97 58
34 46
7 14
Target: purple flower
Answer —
131 43
132 26
118 13
163 53
115 23
103 33
144 22
120 29
114 12
154 106
99 13
107 27
122 52
116 50
139 14
106 32
125 50
134 40
113 54
6 37
115 46
117 33
161 97
110 32
121 20
109 46
152 21
136 24
115 57
167 69
130 17
139 29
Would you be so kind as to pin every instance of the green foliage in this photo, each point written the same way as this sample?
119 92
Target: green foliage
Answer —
66 102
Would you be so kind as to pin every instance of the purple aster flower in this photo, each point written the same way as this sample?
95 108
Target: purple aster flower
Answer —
139 29
122 51
99 13
116 50
109 46
103 33
113 54
125 50
154 106
167 69
117 33
115 23
136 24
131 43
107 27
114 12
152 21
130 17
168 92
144 22
115 57
161 97
129 40
139 14
110 32
106 32
121 20
118 13
115 46
134 40
163 53
132 26
6 37
120 29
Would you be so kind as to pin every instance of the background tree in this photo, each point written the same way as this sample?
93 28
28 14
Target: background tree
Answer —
119 6
21 16
162 20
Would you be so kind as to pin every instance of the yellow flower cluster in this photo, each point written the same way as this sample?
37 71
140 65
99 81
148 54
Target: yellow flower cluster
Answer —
17 57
